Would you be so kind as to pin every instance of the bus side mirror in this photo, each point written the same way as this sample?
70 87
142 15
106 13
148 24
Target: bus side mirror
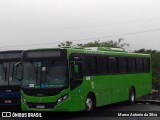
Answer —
18 71
76 68
76 73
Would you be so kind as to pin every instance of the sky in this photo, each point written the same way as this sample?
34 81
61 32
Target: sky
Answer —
27 24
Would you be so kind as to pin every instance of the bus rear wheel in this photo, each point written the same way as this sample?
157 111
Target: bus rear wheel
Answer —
89 104
132 96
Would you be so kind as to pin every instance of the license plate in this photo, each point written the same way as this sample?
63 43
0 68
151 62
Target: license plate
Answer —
40 106
7 101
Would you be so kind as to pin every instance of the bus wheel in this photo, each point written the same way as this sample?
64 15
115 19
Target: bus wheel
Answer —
132 96
89 103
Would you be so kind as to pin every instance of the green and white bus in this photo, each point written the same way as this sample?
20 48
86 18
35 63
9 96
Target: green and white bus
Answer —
74 79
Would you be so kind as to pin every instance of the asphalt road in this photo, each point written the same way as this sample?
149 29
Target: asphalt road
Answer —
120 111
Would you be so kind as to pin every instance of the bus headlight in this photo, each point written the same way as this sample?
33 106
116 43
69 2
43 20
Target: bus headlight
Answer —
61 99
65 97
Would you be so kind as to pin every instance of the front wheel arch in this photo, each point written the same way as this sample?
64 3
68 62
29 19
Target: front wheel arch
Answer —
90 98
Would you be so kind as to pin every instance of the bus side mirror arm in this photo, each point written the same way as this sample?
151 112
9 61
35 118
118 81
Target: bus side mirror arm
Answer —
18 71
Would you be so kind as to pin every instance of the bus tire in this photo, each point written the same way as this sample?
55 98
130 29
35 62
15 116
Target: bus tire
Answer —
132 96
89 104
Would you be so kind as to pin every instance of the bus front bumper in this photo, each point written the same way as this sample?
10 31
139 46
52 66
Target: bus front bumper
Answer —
67 105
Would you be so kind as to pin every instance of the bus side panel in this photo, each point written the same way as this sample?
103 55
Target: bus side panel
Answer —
102 88
145 84
121 84
111 89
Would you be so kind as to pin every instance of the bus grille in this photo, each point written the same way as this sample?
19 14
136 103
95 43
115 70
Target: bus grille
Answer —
9 101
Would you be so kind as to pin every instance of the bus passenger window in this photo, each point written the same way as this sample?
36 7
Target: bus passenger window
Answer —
102 66
131 65
91 65
113 65
139 65
146 63
122 65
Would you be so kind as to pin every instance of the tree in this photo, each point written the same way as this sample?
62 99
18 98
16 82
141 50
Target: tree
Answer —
67 43
98 43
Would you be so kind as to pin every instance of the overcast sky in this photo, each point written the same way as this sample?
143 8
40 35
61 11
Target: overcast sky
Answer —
45 23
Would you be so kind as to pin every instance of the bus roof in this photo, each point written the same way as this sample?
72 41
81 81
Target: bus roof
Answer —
11 54
108 51
96 50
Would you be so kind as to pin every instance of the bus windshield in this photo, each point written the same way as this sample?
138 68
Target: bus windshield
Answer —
7 74
44 74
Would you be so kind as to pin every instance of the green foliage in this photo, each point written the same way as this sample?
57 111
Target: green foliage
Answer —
98 43
110 43
67 43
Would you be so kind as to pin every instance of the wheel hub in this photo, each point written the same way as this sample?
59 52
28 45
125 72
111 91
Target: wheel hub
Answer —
89 104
